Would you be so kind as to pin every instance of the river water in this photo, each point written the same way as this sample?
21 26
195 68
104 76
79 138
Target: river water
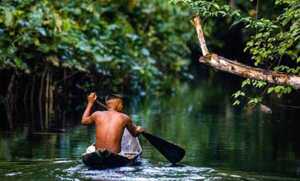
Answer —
221 143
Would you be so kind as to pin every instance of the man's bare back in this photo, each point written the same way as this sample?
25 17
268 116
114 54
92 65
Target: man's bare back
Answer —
109 124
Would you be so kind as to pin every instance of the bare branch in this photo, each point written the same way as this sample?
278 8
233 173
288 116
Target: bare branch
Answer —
197 24
245 71
239 69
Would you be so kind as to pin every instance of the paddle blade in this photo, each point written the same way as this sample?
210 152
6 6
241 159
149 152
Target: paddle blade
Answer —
170 151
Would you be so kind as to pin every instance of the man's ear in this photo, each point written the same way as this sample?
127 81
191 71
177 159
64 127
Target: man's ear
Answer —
120 106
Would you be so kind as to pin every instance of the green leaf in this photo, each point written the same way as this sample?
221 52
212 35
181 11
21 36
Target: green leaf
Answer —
254 101
238 94
270 90
246 82
236 103
8 14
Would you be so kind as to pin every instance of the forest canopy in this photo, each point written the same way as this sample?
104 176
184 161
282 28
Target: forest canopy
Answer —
52 53
135 42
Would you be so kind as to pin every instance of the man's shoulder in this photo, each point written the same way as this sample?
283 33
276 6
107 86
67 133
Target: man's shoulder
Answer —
123 116
97 114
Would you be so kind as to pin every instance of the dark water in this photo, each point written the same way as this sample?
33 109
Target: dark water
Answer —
221 143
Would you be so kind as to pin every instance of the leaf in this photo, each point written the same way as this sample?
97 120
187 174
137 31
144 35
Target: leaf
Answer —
101 59
254 101
236 103
18 62
270 90
66 25
145 52
8 14
246 82
238 94
58 22
42 31
36 42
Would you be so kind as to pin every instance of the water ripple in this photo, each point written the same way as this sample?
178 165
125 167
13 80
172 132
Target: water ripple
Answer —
148 171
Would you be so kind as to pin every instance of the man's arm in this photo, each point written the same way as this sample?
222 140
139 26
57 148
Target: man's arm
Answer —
132 128
87 118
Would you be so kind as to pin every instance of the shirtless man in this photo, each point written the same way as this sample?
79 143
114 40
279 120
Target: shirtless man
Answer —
109 124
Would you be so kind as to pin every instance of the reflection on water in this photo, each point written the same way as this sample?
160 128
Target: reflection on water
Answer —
74 170
221 143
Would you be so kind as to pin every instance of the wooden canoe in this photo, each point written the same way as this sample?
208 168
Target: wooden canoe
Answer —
131 151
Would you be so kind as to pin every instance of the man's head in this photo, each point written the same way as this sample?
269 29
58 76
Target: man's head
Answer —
114 102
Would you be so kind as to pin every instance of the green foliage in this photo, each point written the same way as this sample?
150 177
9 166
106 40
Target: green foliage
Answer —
137 41
280 39
241 94
254 101
278 45
238 94
280 90
273 42
208 8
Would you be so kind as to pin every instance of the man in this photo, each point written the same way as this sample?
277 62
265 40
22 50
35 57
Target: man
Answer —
109 124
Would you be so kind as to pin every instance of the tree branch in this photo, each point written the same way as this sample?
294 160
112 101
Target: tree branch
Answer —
198 27
242 70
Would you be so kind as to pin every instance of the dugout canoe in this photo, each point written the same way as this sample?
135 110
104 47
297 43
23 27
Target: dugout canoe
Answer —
131 151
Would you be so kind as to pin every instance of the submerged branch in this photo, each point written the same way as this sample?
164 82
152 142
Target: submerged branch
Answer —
242 70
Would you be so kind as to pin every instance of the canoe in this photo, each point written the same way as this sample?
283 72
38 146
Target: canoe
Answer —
131 151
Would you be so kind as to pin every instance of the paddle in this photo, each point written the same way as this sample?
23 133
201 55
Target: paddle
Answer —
170 151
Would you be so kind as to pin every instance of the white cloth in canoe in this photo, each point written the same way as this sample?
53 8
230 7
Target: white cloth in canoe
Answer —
130 146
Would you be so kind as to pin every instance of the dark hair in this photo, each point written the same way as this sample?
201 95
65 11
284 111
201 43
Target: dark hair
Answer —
114 102
113 96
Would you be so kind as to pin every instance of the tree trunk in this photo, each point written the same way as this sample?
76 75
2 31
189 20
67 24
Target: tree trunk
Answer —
32 105
65 99
41 100
242 70
47 101
25 102
232 3
51 99
258 7
10 101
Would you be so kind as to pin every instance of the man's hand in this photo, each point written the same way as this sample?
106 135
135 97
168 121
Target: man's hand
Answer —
87 118
139 129
92 98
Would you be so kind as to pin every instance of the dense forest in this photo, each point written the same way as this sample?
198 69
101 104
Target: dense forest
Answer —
54 52
210 85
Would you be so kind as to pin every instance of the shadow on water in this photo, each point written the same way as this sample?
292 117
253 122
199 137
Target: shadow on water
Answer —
221 143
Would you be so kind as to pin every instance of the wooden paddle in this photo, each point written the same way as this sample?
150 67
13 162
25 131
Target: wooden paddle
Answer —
170 151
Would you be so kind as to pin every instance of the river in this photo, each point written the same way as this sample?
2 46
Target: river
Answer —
221 143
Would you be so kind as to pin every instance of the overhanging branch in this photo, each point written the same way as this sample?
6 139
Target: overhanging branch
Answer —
239 69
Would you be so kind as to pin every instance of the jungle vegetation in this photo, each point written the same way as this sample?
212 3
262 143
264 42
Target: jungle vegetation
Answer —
53 52
271 38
